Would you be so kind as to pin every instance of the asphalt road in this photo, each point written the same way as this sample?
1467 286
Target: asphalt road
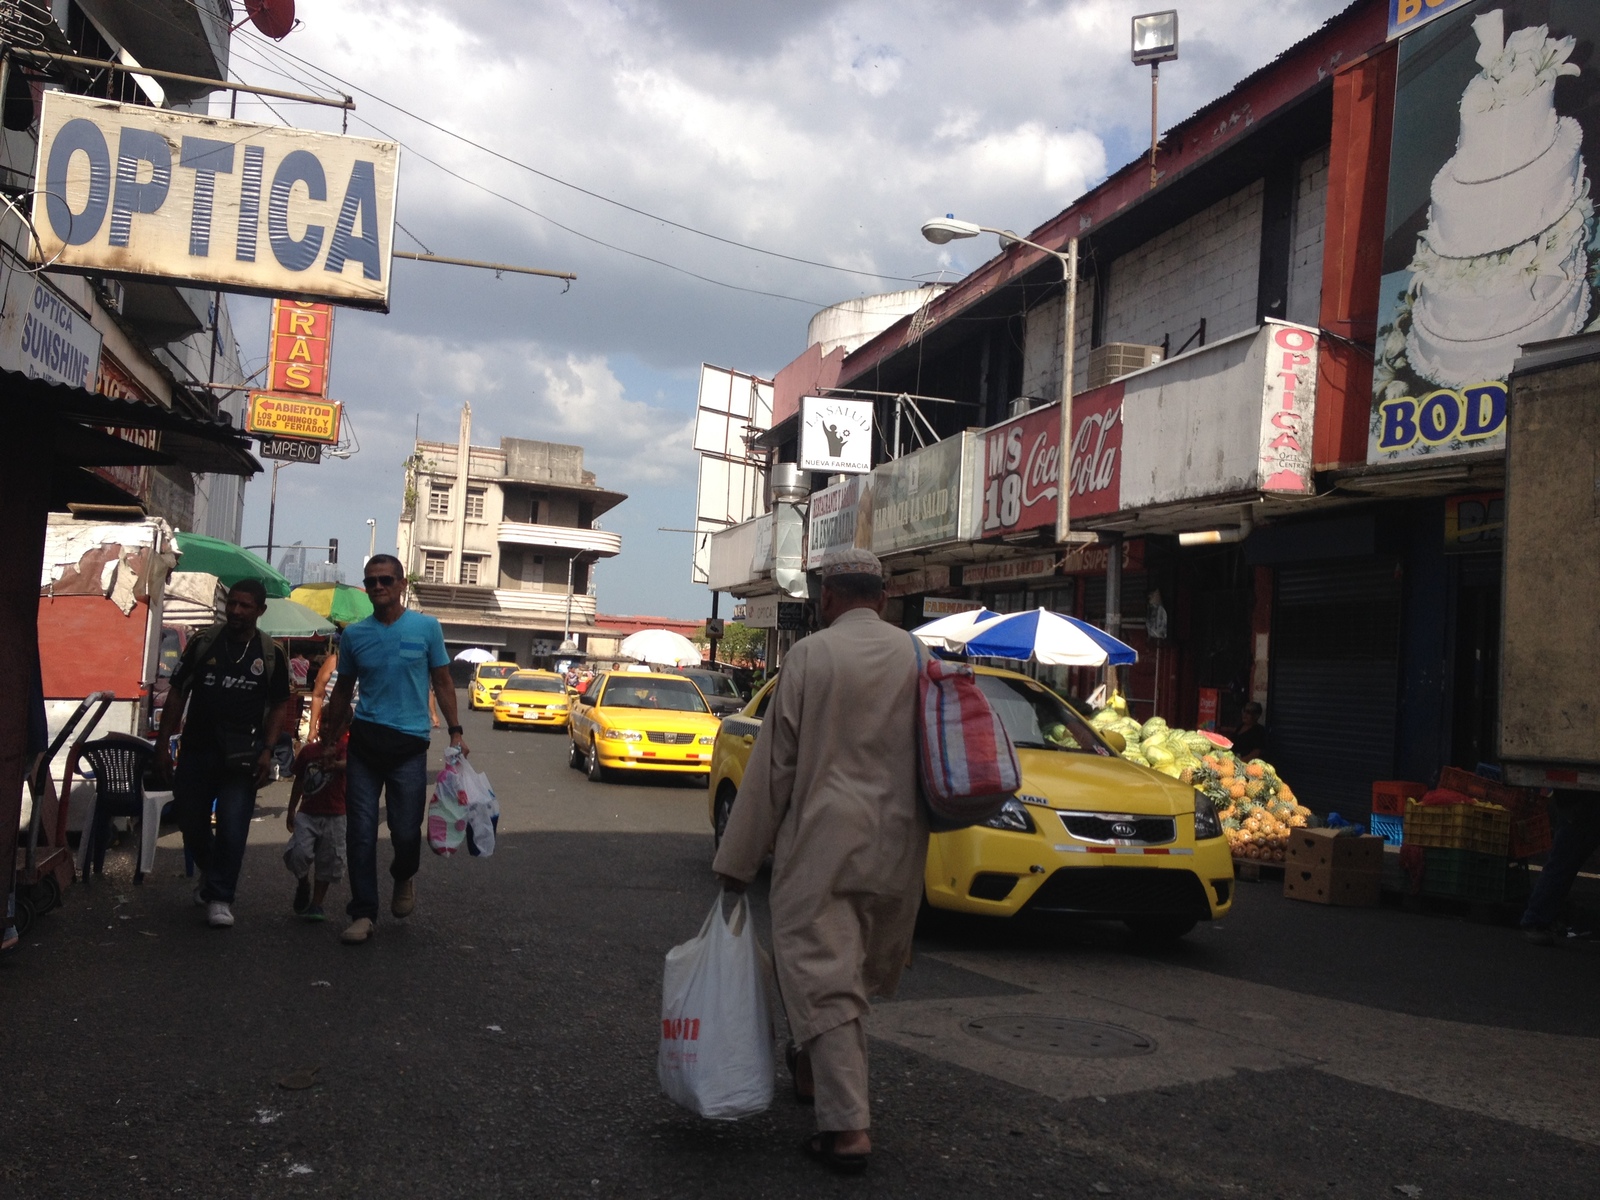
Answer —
502 1041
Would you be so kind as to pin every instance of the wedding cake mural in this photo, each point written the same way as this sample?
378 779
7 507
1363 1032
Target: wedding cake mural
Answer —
1505 258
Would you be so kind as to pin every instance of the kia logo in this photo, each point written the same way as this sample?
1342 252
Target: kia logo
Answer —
1124 829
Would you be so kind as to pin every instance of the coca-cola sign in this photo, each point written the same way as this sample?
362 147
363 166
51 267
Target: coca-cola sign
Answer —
1094 468
1022 472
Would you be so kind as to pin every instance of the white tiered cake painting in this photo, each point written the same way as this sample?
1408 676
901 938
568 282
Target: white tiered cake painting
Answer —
1505 258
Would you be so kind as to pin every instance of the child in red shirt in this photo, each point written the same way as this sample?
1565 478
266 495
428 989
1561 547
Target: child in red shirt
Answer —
316 826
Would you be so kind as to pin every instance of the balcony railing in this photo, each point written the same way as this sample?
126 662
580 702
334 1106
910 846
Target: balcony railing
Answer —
490 600
600 542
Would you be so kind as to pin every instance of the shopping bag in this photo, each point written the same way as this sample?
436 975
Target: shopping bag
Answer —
716 1022
483 811
447 811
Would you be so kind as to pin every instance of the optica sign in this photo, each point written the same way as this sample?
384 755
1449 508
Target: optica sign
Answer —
153 193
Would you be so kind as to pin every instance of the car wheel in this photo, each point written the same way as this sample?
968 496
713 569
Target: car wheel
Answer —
720 815
574 756
595 772
1161 929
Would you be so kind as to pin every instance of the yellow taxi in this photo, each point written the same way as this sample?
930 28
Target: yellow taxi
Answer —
532 698
641 721
1088 833
488 679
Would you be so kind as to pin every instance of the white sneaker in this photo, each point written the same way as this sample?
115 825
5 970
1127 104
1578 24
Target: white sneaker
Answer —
219 915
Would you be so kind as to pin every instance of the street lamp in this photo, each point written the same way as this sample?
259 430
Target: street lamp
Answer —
1155 41
947 228
372 536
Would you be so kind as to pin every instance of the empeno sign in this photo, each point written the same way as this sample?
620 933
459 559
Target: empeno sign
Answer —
122 189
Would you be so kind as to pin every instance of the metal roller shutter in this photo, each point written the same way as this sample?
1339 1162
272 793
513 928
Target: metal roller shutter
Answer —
1335 680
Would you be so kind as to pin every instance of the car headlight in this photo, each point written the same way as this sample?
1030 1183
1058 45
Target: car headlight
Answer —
1012 817
623 735
1206 824
706 739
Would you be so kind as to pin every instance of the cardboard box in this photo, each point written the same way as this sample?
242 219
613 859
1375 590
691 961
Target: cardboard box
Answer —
1331 885
1322 848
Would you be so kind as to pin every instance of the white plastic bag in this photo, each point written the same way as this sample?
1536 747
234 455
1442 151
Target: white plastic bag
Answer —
447 812
483 811
716 1025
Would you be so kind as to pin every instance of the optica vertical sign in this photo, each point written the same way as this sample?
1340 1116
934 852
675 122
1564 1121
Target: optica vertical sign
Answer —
128 190
1287 406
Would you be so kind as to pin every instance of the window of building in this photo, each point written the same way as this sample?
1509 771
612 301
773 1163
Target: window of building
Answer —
439 500
470 566
475 503
435 567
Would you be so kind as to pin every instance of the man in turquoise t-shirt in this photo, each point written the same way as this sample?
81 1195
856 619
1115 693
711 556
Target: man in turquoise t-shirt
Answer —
396 655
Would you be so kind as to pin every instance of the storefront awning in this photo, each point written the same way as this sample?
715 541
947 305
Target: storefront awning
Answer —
85 422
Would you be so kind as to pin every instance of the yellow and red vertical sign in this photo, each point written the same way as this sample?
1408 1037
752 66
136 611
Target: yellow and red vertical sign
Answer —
301 347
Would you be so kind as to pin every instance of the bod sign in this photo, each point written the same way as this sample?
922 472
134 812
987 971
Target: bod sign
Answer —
127 190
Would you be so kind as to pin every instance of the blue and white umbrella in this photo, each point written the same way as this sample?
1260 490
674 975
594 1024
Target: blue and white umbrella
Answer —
947 633
1049 639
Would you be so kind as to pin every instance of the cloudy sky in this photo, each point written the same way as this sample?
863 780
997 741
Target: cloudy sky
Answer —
825 131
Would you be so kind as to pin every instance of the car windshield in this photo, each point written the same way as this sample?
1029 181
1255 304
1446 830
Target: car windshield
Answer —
670 695
1036 718
534 683
494 672
714 683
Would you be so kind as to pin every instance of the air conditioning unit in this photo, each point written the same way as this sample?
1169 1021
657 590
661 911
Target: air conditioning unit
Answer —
1116 359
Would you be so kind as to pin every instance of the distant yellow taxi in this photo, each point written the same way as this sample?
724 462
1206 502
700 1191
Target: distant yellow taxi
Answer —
488 679
532 698
1088 833
641 721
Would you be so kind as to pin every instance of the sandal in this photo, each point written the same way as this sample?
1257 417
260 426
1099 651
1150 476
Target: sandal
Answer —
799 1062
819 1147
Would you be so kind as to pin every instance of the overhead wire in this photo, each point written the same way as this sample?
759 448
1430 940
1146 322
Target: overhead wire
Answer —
556 179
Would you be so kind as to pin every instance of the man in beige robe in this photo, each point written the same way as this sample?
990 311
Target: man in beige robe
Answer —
831 790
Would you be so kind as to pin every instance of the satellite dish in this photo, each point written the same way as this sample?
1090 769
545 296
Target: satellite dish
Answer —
275 18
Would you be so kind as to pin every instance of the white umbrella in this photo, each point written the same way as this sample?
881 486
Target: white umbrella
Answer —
1047 638
475 655
660 647
948 633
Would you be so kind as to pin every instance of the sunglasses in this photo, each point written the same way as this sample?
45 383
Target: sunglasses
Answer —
377 581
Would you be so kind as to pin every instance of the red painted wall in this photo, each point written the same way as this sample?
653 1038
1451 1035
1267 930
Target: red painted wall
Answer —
87 645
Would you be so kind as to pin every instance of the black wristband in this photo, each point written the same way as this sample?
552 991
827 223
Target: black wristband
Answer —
454 729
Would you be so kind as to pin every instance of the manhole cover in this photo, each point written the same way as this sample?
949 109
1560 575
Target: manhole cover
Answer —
1061 1035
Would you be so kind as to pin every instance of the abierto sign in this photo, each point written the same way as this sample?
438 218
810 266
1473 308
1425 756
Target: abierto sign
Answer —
296 417
127 190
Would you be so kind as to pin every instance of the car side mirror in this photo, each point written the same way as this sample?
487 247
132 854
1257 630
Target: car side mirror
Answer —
1115 740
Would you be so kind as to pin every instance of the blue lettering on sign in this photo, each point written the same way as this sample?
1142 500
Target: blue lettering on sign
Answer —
1469 415
360 202
77 136
298 166
249 204
136 148
207 158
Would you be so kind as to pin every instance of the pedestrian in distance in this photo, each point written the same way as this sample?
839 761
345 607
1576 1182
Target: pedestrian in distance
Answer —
230 694
1250 739
316 825
831 791
1577 838
395 656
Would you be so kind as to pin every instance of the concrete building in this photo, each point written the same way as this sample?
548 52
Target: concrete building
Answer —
500 543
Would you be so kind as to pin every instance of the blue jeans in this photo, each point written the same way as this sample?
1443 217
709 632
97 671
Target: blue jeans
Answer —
202 777
1577 837
405 788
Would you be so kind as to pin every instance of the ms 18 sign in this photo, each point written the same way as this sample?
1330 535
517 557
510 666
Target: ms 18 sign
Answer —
1022 472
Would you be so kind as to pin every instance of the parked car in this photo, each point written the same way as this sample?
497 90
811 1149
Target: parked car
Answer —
1088 833
532 698
722 691
641 721
488 679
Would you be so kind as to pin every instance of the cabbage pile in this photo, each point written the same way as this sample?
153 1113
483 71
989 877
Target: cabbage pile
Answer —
1257 809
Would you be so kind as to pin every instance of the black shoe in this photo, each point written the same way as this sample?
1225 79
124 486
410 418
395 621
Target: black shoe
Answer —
1540 935
302 896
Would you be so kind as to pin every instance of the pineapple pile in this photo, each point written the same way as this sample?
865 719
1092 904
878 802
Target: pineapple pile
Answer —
1257 809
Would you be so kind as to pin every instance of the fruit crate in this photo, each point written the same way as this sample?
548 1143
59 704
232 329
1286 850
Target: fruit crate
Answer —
1468 875
1389 796
1530 833
1476 827
1390 829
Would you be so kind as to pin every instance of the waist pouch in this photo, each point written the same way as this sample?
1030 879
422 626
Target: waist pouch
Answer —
241 748
382 748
